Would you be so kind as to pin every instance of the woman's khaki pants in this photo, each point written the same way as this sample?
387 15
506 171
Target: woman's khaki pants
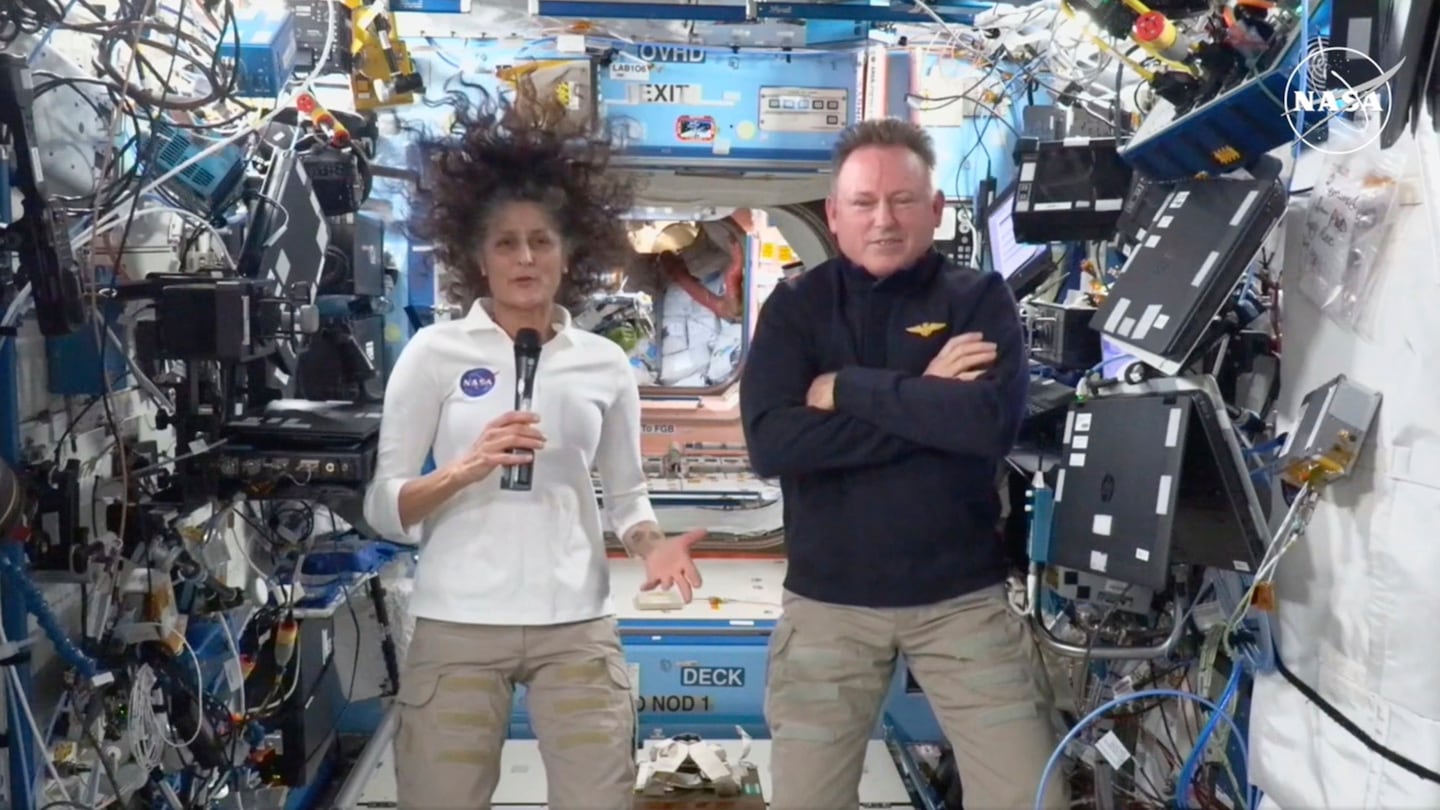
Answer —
455 697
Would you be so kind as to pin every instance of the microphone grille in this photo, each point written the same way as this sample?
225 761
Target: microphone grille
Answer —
527 341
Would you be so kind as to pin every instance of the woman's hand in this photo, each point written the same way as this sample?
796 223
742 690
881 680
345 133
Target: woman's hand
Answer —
510 439
668 564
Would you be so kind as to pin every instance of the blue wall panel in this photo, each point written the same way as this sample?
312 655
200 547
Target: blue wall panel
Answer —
682 105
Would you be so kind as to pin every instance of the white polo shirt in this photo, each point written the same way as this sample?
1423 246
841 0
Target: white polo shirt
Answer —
492 556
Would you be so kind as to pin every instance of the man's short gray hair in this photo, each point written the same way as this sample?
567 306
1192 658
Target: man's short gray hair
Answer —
884 132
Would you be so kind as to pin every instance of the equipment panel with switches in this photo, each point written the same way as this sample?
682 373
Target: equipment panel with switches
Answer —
259 468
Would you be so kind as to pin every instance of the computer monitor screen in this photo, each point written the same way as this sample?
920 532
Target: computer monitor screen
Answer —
1013 260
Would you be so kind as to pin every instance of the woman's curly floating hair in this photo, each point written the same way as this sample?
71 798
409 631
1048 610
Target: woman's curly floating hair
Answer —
499 152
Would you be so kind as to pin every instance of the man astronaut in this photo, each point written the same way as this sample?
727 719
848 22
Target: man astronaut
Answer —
884 388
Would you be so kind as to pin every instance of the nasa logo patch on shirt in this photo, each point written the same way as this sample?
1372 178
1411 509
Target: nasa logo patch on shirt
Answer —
477 382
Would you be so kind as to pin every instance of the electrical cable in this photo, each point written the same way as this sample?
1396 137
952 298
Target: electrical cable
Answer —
1197 753
113 202
17 690
111 189
110 193
35 601
1398 760
1058 755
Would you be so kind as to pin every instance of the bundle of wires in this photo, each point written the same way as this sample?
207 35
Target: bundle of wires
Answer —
126 47
19 17
159 67
1239 631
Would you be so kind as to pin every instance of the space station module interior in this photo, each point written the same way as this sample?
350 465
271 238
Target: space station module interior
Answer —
1219 219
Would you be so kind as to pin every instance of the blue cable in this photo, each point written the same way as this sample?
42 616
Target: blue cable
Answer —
35 601
1262 449
1258 653
1100 366
25 773
1059 752
1268 456
45 39
1187 771
1262 658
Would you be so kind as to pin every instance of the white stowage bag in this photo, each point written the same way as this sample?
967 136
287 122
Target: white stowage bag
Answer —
686 329
679 765
1355 592
399 582
698 348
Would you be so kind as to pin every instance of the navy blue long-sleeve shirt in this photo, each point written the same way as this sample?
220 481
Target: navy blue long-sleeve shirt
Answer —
890 499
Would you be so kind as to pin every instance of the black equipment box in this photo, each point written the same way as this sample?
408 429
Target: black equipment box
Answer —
295 443
1186 270
207 319
1070 191
1061 337
339 467
1040 122
355 259
310 34
308 716
341 181
1151 480
343 361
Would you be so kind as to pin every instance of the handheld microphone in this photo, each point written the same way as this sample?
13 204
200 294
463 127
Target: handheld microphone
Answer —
527 360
